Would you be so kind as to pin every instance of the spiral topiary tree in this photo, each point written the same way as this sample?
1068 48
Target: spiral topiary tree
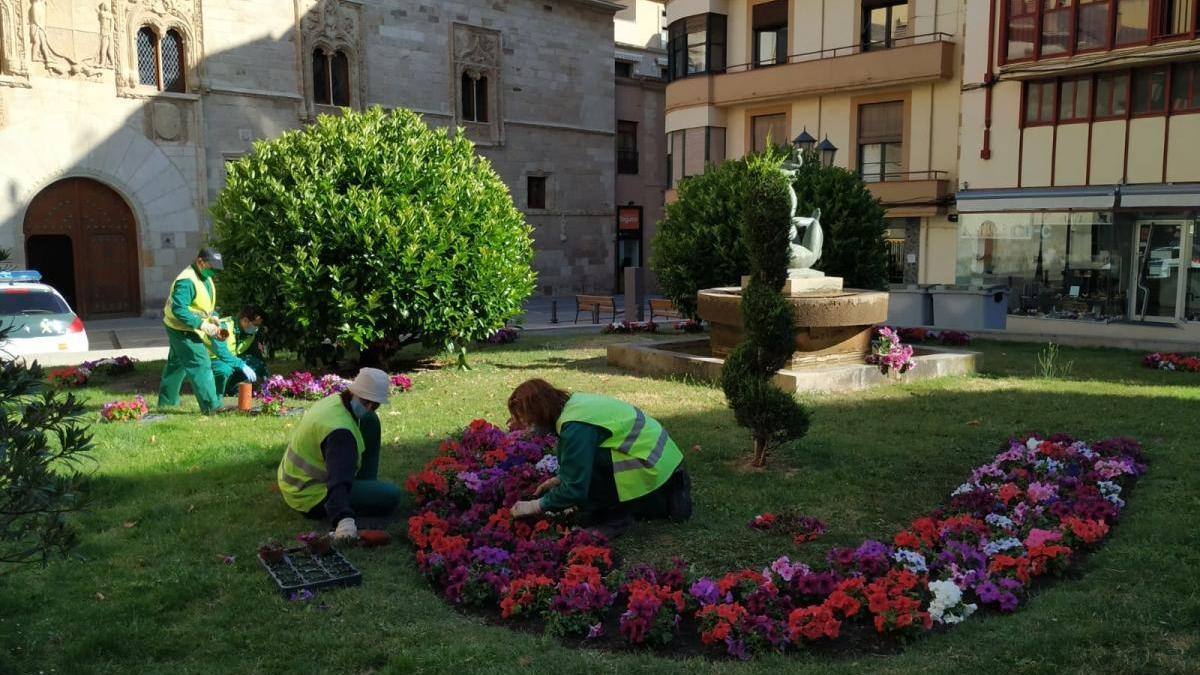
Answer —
368 231
772 415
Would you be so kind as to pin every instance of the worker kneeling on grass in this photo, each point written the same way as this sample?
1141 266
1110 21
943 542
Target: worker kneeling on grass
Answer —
228 370
248 346
331 466
615 462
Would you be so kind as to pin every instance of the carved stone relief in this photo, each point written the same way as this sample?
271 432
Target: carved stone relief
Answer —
13 65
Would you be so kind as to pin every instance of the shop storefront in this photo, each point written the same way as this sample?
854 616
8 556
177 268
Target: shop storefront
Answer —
1086 254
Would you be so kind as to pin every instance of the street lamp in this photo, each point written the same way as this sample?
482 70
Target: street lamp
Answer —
804 142
828 151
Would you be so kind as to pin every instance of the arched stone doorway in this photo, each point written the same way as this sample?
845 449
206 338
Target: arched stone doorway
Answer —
82 236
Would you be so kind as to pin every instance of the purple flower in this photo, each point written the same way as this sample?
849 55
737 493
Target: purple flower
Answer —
988 592
595 631
303 595
705 590
736 648
490 556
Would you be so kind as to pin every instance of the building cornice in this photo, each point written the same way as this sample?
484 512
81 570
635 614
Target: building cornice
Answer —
605 5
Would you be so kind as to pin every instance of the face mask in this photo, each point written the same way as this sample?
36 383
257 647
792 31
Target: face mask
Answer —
357 407
207 273
251 329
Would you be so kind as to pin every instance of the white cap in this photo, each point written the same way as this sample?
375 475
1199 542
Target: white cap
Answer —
371 385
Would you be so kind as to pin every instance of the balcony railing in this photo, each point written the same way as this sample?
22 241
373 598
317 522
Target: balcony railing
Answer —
627 161
858 48
893 176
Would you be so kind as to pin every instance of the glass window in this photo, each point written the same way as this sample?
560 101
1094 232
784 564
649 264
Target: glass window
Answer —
320 66
770 23
172 61
1133 21
627 147
1112 94
881 141
1150 90
1058 265
1056 26
147 51
884 23
1073 100
1185 86
339 71
474 97
1174 17
770 129
1039 102
695 45
535 192
1091 31
1022 29
1192 311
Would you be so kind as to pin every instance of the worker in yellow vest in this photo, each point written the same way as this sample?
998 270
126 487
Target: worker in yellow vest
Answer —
615 462
189 316
331 466
228 370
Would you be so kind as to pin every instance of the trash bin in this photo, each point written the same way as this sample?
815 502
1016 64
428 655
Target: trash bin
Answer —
910 306
966 308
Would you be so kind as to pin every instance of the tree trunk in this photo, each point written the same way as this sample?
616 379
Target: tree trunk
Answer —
760 453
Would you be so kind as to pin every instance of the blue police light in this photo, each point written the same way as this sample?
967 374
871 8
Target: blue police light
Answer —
20 275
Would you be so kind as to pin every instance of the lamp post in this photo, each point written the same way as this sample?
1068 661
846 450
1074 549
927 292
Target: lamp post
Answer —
828 151
804 142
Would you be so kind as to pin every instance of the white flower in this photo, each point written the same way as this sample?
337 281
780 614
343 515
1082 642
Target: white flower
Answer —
947 605
914 562
997 520
1108 488
1033 443
963 489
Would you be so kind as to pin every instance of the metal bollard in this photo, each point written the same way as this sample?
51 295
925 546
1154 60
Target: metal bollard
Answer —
553 311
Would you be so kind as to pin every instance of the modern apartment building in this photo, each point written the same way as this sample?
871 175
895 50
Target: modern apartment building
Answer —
641 180
876 80
1080 164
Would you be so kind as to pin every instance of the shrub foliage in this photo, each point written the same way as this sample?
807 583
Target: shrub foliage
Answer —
368 231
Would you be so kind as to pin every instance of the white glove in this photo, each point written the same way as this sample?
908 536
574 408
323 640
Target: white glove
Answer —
346 530
529 508
210 329
546 486
249 373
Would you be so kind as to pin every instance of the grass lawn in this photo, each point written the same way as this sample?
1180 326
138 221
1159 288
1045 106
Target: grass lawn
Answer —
147 591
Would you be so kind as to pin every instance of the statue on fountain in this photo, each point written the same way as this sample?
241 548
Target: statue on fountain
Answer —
805 239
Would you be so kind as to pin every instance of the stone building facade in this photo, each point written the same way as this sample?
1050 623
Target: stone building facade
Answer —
117 118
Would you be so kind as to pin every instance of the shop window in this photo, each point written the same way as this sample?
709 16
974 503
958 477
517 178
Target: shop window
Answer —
1074 99
881 141
1185 87
770 33
1039 103
696 45
1150 90
884 23
1059 265
1112 95
535 192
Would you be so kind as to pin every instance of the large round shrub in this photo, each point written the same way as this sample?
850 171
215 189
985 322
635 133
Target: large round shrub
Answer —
699 244
368 231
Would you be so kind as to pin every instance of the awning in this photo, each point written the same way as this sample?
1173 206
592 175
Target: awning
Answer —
1165 196
1093 197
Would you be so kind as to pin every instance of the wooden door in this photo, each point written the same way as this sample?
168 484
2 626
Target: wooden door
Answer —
104 241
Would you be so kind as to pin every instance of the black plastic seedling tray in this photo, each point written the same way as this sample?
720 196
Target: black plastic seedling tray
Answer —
300 570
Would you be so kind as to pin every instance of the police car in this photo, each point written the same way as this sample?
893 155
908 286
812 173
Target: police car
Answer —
37 318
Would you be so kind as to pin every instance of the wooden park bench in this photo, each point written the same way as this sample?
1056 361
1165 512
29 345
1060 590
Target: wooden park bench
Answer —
595 303
664 308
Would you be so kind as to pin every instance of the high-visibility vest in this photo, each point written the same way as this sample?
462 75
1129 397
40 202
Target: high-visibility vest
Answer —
230 342
302 474
241 344
644 456
203 304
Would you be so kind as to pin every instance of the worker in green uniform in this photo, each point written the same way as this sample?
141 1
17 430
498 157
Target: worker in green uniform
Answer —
248 345
615 462
331 466
188 316
228 370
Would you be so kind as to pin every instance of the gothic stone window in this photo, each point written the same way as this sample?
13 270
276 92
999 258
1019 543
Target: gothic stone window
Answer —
160 62
331 77
474 96
476 82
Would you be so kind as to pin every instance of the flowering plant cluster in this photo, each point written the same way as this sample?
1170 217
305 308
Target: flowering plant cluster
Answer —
1023 516
626 327
305 385
800 527
64 378
689 326
954 338
504 336
273 405
1172 361
112 367
889 353
124 411
401 383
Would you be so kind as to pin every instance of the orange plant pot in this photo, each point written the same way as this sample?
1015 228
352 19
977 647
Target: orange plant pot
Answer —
245 396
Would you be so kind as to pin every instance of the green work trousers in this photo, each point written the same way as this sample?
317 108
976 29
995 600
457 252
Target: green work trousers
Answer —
369 496
188 359
236 377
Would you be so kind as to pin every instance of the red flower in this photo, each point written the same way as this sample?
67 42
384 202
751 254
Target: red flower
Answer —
813 623
1009 492
718 621
1089 531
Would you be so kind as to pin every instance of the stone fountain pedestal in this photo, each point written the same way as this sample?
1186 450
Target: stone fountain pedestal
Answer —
833 323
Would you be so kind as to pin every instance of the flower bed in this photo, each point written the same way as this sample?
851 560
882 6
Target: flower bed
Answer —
113 367
305 385
1172 361
503 336
626 327
889 353
124 411
66 378
954 338
1038 505
689 326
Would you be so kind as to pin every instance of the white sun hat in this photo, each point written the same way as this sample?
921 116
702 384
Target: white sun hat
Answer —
372 385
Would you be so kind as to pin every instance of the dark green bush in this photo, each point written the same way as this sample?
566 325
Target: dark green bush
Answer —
368 231
773 416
